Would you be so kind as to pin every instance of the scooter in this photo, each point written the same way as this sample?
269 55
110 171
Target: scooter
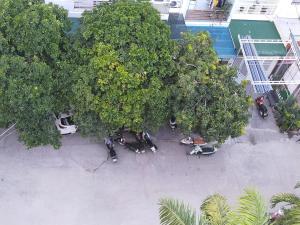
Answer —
110 146
147 138
262 109
172 123
203 150
276 216
193 141
135 146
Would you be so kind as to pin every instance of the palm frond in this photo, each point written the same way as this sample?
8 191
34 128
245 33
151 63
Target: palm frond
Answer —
297 185
215 209
295 215
202 220
289 198
173 212
252 209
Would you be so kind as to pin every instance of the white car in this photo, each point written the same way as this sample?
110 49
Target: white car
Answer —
65 124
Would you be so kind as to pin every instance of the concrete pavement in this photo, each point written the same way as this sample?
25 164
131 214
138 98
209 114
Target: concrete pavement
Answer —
76 185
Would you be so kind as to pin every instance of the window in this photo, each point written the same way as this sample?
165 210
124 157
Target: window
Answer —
295 2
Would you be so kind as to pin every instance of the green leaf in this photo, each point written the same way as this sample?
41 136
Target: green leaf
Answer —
215 209
173 212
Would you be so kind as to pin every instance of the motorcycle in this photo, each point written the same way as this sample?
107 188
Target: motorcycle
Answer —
193 141
147 138
203 150
172 123
135 146
110 146
262 109
276 216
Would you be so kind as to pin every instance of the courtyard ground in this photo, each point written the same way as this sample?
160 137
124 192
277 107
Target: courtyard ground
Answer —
77 185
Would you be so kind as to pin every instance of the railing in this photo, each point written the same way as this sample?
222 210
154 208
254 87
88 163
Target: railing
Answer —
89 4
295 48
212 15
83 4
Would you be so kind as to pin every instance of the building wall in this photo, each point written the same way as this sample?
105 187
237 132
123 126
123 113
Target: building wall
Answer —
77 7
287 10
254 9
68 5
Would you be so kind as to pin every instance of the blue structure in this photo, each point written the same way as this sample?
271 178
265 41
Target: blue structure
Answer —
257 72
221 37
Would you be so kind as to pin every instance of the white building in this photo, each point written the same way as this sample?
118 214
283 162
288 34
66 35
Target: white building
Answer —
287 20
190 9
77 7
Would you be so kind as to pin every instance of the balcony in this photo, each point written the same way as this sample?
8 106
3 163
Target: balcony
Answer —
88 5
205 10
207 15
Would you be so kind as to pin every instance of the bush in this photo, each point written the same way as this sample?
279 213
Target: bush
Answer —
287 115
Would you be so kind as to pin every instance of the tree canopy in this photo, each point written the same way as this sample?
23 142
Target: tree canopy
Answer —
33 63
127 55
119 69
206 98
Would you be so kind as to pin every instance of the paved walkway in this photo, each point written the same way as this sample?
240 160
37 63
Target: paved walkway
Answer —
76 185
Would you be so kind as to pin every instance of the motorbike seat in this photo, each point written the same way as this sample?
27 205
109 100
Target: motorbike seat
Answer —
199 141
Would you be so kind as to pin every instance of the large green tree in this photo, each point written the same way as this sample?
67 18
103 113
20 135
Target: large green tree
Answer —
26 99
35 68
206 98
126 68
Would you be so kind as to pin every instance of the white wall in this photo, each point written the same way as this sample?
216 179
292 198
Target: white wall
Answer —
287 10
254 10
67 4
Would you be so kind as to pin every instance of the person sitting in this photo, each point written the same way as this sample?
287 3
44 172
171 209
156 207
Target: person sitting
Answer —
259 100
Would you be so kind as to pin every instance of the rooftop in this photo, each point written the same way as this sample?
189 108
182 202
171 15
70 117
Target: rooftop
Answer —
258 30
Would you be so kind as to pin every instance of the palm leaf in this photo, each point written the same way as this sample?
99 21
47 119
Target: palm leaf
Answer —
252 209
289 198
173 212
295 215
202 220
215 209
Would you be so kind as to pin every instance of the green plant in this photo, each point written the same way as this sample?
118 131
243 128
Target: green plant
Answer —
35 72
287 114
125 69
206 98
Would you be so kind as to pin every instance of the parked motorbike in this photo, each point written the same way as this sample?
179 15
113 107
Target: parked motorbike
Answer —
276 216
193 141
136 147
172 123
262 109
110 146
147 138
203 150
